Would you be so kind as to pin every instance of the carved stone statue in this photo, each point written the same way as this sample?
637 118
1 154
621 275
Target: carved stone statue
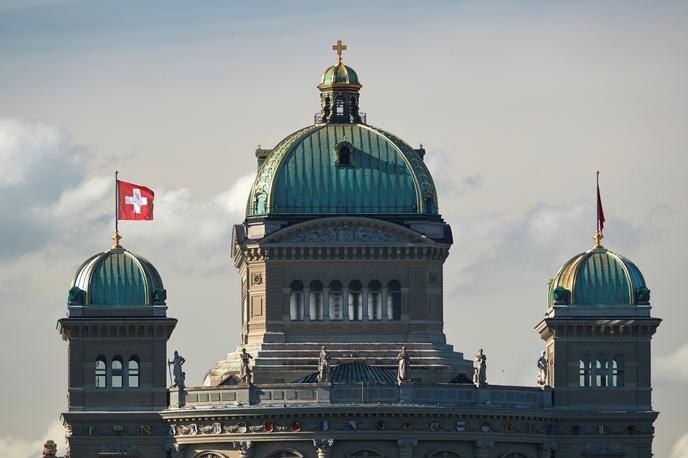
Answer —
324 365
480 369
403 368
542 379
49 449
177 372
245 374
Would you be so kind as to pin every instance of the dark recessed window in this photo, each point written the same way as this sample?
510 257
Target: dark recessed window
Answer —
345 155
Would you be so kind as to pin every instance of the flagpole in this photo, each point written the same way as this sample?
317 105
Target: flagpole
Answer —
597 219
116 237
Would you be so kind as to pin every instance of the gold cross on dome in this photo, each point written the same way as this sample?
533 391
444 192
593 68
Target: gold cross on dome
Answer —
339 47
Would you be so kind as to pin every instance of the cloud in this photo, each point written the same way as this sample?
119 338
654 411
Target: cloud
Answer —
674 366
680 448
39 162
23 448
234 200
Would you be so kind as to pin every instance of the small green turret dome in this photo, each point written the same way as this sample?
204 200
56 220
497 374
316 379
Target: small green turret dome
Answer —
116 277
339 74
598 277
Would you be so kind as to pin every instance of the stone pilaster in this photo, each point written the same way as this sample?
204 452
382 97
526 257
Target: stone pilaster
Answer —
323 447
245 448
406 447
482 448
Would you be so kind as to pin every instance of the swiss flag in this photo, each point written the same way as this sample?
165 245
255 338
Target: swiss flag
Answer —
134 201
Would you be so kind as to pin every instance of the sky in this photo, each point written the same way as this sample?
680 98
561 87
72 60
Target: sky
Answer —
516 103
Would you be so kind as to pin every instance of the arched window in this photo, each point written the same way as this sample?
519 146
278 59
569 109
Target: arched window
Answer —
601 371
355 302
394 300
101 372
335 300
444 454
116 372
296 300
286 454
210 455
514 455
344 155
133 372
584 372
316 300
375 300
365 454
339 105
618 371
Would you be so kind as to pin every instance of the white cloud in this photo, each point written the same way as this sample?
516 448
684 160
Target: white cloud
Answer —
674 366
234 200
83 198
680 448
23 448
25 145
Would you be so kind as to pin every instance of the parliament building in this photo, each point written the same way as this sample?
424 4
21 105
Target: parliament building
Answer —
342 350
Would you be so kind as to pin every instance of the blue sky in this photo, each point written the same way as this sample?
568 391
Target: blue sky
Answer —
517 103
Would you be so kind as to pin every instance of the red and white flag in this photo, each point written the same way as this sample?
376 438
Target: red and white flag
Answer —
134 201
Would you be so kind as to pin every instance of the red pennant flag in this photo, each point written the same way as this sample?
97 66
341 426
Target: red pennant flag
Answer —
134 201
600 212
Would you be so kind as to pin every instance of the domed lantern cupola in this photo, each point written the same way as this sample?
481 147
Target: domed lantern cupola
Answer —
339 93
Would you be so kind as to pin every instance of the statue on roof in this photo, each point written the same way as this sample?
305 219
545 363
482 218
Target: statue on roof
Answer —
49 449
480 369
179 375
245 373
542 379
403 368
324 365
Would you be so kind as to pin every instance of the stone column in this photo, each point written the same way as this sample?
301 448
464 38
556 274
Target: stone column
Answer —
482 448
345 304
545 450
406 447
323 447
326 304
245 448
306 304
384 304
364 299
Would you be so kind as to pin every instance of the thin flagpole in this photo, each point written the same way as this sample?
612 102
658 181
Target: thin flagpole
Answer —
116 237
597 210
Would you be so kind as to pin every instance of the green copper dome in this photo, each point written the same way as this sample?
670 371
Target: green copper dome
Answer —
598 277
116 277
342 169
339 74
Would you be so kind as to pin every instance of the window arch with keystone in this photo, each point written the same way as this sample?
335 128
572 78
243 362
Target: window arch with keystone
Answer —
296 300
345 154
117 372
101 372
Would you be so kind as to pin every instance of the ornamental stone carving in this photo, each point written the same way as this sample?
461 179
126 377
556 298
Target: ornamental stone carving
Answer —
245 448
323 447
343 233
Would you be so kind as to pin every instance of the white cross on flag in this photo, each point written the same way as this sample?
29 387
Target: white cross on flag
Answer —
134 201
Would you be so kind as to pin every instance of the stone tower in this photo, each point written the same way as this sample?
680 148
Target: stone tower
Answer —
116 331
597 332
342 246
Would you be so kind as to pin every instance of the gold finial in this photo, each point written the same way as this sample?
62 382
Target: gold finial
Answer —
117 238
597 238
339 47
